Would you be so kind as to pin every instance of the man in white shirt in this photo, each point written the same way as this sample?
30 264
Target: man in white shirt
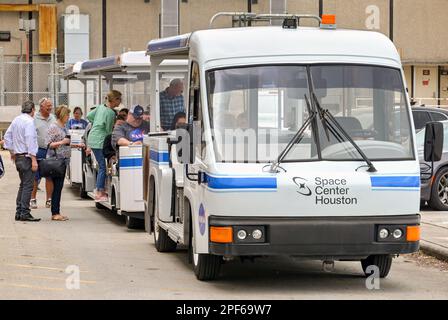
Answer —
21 141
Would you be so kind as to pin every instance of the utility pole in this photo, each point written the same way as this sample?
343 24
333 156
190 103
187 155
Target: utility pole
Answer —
391 20
249 9
104 20
2 78
30 55
28 25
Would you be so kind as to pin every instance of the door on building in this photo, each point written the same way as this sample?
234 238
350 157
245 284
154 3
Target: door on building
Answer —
426 85
444 86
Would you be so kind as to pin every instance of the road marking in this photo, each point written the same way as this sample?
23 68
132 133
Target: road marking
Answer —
37 258
54 278
38 267
435 225
437 244
31 287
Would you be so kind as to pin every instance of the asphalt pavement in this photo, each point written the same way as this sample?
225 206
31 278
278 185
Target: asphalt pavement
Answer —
44 261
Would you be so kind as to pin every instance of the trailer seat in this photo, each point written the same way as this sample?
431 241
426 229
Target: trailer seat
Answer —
350 124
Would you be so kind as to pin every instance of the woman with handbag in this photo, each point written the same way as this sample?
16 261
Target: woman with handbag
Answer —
58 141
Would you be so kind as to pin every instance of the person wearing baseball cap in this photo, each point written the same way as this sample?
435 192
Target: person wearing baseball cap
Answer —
132 131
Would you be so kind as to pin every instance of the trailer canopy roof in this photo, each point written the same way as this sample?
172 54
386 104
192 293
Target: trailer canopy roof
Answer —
127 63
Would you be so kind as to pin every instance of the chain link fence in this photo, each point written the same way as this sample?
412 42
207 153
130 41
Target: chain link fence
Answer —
21 81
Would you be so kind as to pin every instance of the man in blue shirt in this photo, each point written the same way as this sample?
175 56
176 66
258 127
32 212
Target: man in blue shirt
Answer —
21 141
171 102
132 131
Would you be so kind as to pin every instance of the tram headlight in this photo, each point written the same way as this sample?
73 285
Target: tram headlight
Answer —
257 234
242 234
384 233
397 233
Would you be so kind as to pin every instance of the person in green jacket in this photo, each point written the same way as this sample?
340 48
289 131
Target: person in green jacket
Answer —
102 119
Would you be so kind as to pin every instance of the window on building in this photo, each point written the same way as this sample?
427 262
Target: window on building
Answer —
169 18
277 7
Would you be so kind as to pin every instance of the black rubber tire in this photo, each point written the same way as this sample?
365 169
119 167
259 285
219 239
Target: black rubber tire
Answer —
434 202
83 194
163 243
208 267
383 262
99 205
134 223
149 208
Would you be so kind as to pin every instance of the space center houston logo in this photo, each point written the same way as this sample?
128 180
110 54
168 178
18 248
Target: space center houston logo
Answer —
326 191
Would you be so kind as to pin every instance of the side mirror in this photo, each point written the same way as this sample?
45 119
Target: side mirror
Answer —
433 142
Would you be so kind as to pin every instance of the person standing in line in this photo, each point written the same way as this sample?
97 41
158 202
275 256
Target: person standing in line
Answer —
102 119
42 120
58 141
77 122
21 141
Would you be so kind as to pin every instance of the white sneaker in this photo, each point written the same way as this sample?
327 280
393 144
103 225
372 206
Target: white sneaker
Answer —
33 204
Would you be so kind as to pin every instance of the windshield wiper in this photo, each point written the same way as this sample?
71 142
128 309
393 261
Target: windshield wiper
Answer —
328 119
296 139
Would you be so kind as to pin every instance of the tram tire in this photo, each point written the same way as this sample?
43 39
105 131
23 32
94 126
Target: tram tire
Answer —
133 223
162 240
383 262
435 202
164 243
206 266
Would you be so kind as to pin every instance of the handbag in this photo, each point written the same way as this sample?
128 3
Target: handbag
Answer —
52 167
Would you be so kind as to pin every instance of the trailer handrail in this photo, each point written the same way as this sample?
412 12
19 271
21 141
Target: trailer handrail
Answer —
245 17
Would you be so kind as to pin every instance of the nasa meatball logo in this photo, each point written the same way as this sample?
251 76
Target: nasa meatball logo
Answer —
202 219
304 190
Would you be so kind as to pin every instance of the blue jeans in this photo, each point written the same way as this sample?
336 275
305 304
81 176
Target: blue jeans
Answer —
58 183
23 166
101 177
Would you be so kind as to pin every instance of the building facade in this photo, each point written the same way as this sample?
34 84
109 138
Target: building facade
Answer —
415 26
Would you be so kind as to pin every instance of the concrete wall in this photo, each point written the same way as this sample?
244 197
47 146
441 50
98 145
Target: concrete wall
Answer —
420 30
418 25
195 15
94 9
358 14
131 26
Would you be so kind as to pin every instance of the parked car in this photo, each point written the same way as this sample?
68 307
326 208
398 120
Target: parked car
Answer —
423 115
434 187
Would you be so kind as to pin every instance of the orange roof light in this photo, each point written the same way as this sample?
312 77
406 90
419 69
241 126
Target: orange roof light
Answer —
328 19
413 233
221 234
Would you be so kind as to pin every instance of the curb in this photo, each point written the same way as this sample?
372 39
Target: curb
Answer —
434 250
